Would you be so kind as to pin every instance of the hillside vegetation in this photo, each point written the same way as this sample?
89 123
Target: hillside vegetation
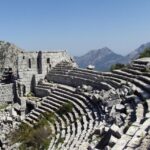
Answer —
37 137
145 53
117 66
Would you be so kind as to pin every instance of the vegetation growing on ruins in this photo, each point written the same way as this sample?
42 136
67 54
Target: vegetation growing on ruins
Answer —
37 137
117 66
65 108
145 53
30 94
3 106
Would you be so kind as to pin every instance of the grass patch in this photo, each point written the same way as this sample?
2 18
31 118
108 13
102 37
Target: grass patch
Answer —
34 138
145 53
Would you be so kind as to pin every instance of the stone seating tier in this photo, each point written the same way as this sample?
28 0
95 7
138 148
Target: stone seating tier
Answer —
82 107
76 126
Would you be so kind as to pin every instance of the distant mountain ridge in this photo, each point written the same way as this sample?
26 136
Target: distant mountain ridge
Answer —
104 58
135 54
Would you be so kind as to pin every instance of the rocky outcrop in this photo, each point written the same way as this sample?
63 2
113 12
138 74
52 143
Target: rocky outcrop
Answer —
8 55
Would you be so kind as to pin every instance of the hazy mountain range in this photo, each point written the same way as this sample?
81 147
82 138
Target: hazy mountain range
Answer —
103 58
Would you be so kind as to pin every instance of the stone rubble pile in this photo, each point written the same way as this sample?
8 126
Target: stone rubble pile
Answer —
105 137
114 106
9 120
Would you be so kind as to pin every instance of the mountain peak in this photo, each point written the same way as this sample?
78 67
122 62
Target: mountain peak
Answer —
100 58
102 51
105 50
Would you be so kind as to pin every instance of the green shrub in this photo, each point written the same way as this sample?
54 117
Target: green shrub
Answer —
45 119
145 53
65 108
37 137
117 66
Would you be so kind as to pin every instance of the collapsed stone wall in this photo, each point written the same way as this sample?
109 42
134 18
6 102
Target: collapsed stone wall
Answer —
6 93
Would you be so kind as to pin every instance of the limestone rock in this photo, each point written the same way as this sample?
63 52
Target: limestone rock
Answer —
116 131
120 107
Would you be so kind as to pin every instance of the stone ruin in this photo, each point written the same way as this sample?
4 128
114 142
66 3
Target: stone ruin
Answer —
111 110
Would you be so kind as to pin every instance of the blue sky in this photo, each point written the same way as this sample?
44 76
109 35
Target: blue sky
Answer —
75 25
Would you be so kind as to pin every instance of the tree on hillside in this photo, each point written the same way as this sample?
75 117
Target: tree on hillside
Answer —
145 53
117 66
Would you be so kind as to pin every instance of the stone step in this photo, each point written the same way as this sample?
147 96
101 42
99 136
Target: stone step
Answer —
132 71
30 120
121 72
44 108
137 68
76 99
145 79
83 102
71 116
82 75
139 65
34 117
63 96
92 72
75 81
139 112
67 88
35 112
62 103
62 119
57 105
81 98
140 62
53 108
86 74
122 142
40 110
71 137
